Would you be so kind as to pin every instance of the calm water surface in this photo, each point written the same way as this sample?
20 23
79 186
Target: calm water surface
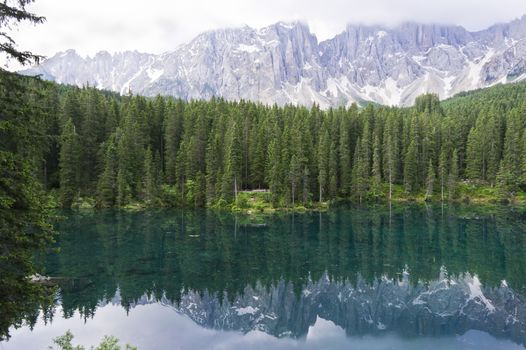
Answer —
410 277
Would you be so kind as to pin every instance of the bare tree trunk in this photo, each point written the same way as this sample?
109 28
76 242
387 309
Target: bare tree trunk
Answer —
235 188
390 186
292 187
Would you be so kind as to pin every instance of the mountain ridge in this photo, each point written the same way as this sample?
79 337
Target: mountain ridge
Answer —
285 63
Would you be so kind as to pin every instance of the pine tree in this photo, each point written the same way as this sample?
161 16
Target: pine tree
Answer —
294 177
24 219
391 152
442 171
258 156
11 14
173 131
512 150
453 177
507 183
360 176
107 185
377 170
233 164
484 147
91 135
214 161
124 192
411 169
273 172
345 158
523 160
130 151
430 181
72 108
333 170
150 179
69 164
323 164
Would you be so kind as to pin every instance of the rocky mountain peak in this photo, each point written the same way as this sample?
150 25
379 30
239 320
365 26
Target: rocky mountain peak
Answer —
284 63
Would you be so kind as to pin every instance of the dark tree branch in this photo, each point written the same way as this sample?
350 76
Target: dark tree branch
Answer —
15 12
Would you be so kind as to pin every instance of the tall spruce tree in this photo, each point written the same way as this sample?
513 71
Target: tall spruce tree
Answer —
69 164
24 219
442 172
411 169
107 185
360 175
452 185
430 180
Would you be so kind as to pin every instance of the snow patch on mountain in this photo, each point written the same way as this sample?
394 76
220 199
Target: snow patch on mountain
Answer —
285 64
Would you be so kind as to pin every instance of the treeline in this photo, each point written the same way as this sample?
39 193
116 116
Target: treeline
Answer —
164 151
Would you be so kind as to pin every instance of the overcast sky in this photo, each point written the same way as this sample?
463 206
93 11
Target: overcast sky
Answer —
156 26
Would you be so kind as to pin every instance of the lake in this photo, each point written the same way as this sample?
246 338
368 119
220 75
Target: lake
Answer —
406 277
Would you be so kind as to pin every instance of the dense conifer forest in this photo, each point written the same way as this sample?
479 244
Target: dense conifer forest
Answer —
109 150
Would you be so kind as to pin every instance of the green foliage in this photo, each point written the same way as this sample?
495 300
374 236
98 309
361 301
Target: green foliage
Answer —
151 179
411 169
11 14
430 181
452 182
125 150
360 174
64 342
69 164
107 186
24 207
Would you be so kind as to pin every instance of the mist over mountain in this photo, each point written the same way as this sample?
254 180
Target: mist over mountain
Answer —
284 63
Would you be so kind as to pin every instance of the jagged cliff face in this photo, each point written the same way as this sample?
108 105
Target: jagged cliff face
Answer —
284 63
447 306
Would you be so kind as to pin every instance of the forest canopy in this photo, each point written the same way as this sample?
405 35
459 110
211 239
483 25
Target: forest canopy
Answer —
161 151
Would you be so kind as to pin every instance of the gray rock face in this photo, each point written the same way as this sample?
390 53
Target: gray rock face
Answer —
284 63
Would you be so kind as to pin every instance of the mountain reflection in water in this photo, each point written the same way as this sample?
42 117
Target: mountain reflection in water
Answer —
410 275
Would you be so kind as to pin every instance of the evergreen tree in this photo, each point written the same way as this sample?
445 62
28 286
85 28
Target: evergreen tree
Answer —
124 192
391 152
484 147
442 172
151 178
294 177
323 164
202 151
430 181
345 158
377 170
274 174
233 164
107 185
173 131
411 169
130 151
453 176
24 219
11 14
360 176
333 170
512 150
69 164
507 183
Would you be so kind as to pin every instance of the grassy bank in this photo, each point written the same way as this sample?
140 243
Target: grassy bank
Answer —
262 202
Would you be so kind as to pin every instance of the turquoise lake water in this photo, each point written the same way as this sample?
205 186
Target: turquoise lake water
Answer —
406 277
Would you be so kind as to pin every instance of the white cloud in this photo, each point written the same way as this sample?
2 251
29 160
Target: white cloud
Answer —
156 25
